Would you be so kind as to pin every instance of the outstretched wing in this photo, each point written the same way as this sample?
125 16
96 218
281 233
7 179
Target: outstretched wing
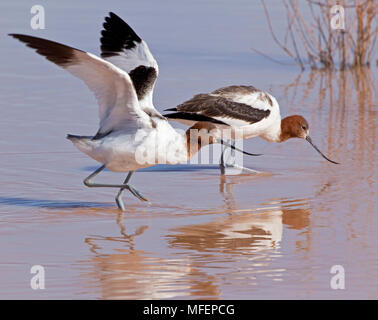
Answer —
234 105
117 99
121 46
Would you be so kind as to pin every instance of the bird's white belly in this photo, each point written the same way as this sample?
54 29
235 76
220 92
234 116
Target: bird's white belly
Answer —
144 149
266 128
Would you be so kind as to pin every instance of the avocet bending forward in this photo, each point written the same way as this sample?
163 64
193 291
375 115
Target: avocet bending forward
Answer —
122 81
244 108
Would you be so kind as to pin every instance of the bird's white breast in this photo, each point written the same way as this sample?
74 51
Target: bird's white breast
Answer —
122 152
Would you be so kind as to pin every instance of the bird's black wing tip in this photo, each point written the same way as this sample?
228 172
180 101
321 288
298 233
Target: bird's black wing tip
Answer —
70 136
112 17
15 35
117 36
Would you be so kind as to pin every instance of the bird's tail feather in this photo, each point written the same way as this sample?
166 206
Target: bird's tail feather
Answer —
83 143
87 145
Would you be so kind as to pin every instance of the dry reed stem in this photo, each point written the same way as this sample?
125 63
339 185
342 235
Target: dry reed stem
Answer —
313 42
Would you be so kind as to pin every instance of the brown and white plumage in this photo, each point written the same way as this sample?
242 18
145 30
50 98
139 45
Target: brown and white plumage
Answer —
244 108
132 134
123 82
248 111
124 126
112 87
121 46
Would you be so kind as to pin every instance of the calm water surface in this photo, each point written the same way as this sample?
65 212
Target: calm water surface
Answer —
271 235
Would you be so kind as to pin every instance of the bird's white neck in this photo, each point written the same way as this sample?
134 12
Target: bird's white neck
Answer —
274 133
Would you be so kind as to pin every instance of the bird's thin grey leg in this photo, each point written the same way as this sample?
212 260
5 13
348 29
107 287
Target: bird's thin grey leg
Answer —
234 165
221 163
135 192
118 198
224 163
88 182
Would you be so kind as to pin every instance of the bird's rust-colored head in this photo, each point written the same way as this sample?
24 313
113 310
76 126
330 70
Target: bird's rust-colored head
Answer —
294 127
297 127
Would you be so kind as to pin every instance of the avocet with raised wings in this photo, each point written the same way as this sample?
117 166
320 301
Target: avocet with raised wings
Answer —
130 127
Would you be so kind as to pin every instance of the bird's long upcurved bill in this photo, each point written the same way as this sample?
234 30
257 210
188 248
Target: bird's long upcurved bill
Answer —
237 149
316 148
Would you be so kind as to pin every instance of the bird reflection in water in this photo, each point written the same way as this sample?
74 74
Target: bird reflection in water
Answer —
241 244
242 230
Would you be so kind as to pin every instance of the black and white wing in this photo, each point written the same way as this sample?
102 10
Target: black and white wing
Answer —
116 96
234 106
121 46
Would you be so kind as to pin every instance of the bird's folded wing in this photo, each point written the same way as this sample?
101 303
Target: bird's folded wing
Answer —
220 108
116 96
121 46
